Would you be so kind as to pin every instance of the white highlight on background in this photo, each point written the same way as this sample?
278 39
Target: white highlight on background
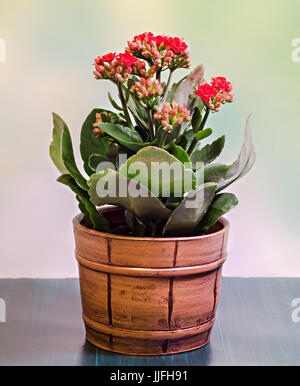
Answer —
296 51
2 311
296 312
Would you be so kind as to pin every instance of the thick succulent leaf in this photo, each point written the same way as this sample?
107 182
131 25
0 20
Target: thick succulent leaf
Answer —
55 146
209 152
196 119
146 163
181 155
96 159
89 142
184 219
86 216
139 113
203 134
187 139
244 163
114 103
99 223
173 90
69 160
215 172
124 135
187 88
172 135
128 194
135 225
222 204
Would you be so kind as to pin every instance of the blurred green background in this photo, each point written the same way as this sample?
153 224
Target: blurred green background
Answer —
50 46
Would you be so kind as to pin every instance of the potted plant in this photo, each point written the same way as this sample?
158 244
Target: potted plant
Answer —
150 264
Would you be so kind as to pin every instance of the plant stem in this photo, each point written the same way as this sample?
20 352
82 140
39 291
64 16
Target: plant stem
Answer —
122 99
162 139
203 123
158 74
151 124
167 87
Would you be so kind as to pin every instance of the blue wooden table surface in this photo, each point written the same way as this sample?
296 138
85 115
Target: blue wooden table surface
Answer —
254 326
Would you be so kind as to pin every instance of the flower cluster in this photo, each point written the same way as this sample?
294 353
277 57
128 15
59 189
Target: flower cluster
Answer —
215 93
114 67
171 115
161 50
139 68
147 88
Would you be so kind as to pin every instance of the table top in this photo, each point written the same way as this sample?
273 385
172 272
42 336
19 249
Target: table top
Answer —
254 326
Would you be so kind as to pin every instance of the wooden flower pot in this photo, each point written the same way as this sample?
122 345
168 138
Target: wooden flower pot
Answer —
149 296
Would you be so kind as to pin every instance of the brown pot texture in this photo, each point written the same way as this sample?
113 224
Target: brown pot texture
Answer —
149 296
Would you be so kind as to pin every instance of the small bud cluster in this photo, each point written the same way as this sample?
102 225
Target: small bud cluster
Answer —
147 88
114 67
101 117
171 115
215 93
161 50
139 68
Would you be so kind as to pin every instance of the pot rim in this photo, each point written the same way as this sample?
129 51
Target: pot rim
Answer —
77 225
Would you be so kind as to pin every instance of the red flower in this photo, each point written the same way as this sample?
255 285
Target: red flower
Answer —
114 67
106 58
221 84
161 50
216 93
206 92
127 59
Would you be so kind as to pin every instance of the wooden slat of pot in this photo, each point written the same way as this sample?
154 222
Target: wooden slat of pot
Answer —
94 294
93 247
150 272
142 254
140 302
195 294
199 251
186 344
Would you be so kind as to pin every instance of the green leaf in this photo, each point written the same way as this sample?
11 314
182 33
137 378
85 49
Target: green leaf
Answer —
124 135
171 177
245 161
222 204
128 194
55 146
187 139
203 134
209 152
138 111
173 90
86 215
187 88
114 103
69 160
196 119
173 135
89 142
99 223
215 172
184 220
135 225
181 155
96 159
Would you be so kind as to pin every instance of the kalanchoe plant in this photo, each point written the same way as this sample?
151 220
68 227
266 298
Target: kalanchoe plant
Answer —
154 124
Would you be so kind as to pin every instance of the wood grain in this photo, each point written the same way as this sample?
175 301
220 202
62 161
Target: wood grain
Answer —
138 285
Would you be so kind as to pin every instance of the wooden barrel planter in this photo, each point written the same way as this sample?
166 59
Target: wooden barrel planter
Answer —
149 296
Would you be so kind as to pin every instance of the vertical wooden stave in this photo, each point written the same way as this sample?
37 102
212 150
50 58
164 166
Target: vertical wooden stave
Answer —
171 297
